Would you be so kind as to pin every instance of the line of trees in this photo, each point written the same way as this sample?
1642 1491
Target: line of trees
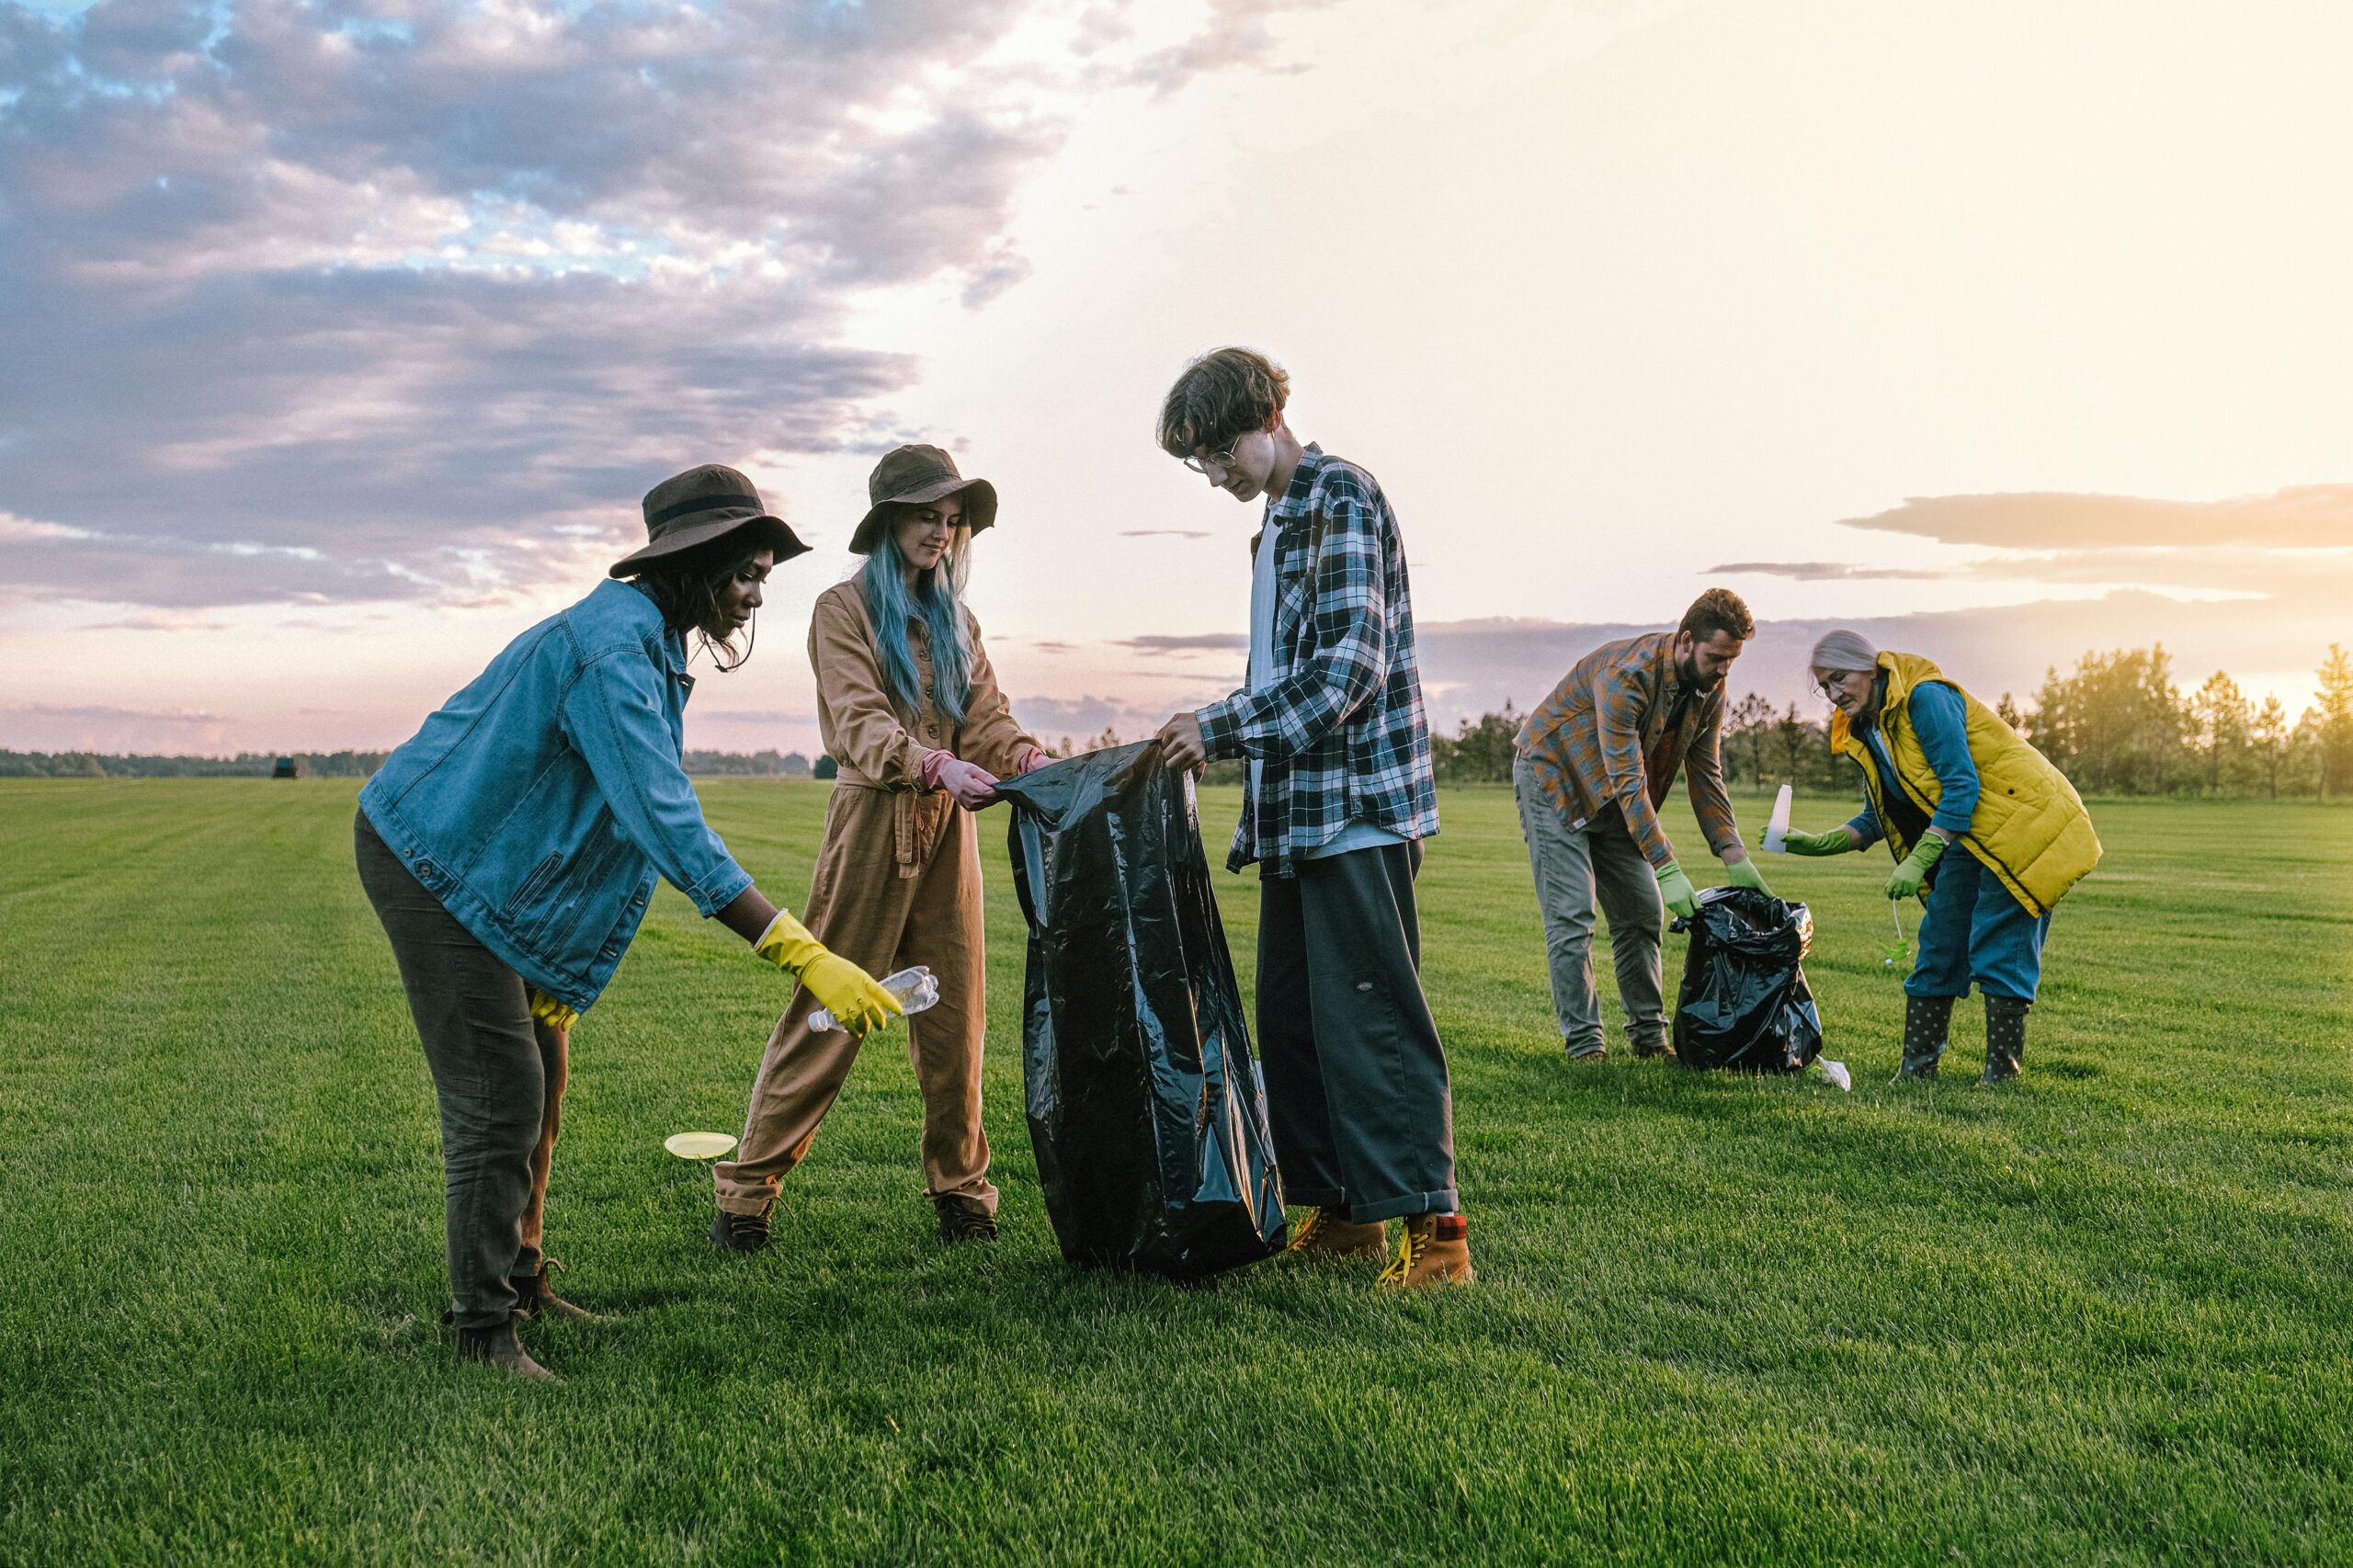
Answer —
2117 724
244 765
339 764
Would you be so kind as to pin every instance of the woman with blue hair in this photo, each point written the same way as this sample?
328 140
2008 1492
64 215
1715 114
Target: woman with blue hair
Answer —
910 710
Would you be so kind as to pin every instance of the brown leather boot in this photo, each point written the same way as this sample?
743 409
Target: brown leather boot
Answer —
1435 1250
497 1346
1323 1237
964 1219
538 1297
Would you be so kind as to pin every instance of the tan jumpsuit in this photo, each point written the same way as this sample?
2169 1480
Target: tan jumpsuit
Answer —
898 882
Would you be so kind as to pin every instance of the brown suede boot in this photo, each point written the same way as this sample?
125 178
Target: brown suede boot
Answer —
1323 1237
497 1346
1435 1250
539 1298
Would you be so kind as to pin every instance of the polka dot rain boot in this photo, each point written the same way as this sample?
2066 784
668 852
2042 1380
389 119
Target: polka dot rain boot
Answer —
1926 1021
2004 1039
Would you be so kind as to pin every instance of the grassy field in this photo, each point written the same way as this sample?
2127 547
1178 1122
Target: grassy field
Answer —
2098 1316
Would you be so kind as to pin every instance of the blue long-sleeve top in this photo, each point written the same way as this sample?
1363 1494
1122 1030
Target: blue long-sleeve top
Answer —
1941 721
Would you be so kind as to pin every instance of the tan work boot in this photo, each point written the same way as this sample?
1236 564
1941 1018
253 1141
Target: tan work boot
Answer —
497 1346
1325 1237
1434 1252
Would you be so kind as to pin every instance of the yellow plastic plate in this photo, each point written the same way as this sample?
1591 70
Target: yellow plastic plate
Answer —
698 1145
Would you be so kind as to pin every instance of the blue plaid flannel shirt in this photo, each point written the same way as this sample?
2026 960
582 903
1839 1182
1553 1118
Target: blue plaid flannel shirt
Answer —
1340 730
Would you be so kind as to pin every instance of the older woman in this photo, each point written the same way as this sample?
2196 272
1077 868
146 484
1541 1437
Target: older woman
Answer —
1941 767
510 849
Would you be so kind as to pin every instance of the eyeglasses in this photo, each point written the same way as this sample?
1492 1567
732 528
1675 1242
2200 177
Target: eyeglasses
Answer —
1831 689
1223 462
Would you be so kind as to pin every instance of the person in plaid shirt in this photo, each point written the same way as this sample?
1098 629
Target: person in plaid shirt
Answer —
1341 793
1595 761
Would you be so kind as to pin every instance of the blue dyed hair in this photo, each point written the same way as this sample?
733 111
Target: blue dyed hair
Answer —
937 600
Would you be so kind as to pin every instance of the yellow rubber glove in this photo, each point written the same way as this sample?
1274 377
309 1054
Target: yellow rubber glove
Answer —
551 1012
847 991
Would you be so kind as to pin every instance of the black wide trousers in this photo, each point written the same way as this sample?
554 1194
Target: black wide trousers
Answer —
1357 1091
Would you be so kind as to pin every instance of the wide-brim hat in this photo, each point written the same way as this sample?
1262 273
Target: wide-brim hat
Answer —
913 476
692 509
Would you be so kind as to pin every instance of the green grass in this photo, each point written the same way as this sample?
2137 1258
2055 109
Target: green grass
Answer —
2095 1317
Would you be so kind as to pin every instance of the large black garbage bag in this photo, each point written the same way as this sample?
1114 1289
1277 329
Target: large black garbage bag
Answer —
1745 1001
1145 1103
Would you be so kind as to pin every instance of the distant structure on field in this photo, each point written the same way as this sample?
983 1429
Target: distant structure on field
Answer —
283 768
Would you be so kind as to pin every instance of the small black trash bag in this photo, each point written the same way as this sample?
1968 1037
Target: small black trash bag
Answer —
1145 1104
1745 1001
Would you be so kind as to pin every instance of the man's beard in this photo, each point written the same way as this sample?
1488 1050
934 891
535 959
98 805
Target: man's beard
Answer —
1688 671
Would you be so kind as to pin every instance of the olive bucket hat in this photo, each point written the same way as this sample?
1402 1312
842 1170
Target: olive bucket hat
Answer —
912 476
693 509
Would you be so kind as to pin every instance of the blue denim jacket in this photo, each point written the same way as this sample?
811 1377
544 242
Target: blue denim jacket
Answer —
539 804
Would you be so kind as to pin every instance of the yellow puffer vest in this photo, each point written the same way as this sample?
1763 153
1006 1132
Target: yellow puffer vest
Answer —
2029 828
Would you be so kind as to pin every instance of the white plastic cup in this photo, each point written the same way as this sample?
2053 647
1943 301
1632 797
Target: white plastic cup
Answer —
915 988
1778 829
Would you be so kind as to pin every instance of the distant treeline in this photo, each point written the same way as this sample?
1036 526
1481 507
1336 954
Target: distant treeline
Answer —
343 765
244 765
2117 725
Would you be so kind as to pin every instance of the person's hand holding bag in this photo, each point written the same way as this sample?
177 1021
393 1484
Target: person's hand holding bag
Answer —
852 995
969 785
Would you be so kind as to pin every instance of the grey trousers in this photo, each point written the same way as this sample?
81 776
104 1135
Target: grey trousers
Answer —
499 1077
1357 1091
1576 867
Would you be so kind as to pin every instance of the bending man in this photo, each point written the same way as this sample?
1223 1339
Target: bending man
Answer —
1596 759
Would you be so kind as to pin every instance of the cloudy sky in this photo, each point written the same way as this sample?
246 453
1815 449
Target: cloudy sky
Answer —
338 340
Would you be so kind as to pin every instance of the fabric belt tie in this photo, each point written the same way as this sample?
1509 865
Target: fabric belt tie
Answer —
917 820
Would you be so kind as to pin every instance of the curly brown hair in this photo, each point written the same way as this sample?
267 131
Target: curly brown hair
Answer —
1718 610
1224 393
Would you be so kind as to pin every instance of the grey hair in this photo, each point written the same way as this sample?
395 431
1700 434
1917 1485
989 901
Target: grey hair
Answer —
1845 651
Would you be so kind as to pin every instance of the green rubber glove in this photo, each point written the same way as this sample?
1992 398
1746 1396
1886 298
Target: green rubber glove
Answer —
551 1012
1681 897
1905 879
1837 841
1742 873
841 988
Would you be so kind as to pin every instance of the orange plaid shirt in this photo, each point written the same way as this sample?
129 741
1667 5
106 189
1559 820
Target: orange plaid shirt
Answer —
1614 732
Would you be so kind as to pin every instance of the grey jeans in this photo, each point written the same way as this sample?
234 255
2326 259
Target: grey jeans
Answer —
1576 868
1357 1091
499 1077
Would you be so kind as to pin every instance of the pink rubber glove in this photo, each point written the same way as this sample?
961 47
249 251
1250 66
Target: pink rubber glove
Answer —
970 787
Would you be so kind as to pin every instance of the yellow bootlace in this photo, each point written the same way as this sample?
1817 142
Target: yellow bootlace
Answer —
1410 1248
1307 1230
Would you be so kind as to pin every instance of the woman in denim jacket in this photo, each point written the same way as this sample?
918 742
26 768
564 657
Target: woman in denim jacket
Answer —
510 849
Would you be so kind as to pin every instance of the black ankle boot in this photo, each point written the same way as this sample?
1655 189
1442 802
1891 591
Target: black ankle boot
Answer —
497 1346
740 1232
1926 1021
2004 1039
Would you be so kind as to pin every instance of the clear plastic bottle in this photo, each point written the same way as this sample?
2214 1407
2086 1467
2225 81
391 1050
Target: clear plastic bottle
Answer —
915 988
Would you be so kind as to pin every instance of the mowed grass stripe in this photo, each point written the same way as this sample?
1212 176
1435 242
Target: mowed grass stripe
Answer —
2093 1318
